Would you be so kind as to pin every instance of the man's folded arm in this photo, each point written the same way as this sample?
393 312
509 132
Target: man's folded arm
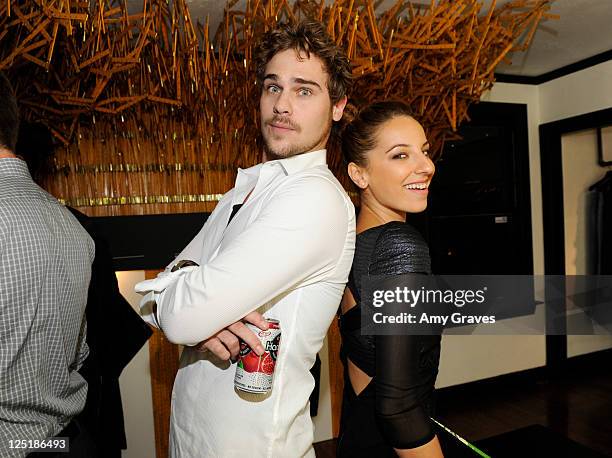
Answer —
297 237
191 253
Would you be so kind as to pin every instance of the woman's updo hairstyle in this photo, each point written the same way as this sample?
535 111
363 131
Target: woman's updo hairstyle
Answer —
361 127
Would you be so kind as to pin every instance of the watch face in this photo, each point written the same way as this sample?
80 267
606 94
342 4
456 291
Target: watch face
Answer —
183 263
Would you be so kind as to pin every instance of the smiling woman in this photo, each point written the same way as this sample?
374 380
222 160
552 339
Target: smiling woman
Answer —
387 154
389 379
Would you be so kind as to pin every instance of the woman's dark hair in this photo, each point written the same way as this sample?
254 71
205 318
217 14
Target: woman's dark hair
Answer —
359 134
9 115
307 37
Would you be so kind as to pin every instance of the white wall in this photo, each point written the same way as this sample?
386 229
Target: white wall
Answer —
575 94
580 170
135 383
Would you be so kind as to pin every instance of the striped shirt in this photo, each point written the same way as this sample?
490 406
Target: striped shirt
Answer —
45 267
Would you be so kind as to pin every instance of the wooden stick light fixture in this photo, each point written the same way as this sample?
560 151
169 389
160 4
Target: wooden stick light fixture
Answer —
153 114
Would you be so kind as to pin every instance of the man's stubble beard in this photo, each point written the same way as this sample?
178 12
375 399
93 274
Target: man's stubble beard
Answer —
294 149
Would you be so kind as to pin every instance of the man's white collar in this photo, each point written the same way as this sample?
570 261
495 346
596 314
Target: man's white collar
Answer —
304 161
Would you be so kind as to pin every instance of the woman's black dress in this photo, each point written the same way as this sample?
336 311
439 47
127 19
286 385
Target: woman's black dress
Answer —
394 410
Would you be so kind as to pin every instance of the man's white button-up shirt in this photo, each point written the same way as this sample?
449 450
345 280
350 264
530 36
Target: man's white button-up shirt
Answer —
287 253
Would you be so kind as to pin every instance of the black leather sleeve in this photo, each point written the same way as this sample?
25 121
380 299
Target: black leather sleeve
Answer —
400 249
406 366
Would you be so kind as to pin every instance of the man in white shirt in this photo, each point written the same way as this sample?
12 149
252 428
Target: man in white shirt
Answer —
286 253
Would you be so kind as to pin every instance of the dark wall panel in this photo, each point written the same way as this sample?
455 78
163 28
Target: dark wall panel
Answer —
148 241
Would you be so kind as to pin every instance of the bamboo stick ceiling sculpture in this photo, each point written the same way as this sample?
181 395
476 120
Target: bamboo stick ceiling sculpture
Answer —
152 108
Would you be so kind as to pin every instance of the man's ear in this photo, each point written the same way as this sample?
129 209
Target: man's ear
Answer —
358 175
338 108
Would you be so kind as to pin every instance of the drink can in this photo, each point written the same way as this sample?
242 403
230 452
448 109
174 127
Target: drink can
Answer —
254 373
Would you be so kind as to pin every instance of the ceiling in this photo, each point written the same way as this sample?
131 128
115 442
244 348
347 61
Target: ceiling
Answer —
583 30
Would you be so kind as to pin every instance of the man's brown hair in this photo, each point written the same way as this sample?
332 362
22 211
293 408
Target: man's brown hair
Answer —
307 37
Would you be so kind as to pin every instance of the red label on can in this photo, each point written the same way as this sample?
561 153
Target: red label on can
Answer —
254 373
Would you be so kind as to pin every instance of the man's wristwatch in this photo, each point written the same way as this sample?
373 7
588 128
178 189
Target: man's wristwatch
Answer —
183 263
